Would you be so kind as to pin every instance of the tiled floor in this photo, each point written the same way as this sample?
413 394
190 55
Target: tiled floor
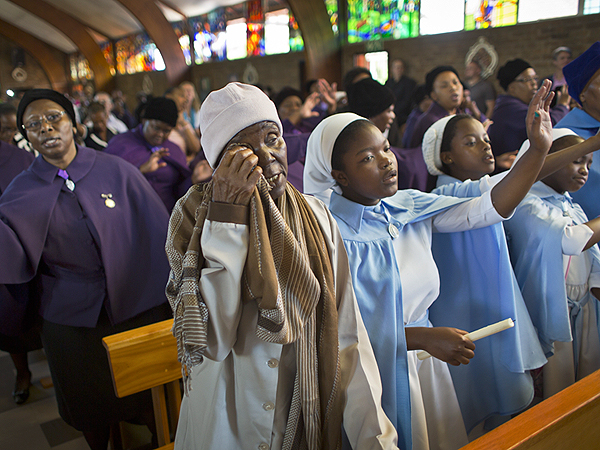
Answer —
36 425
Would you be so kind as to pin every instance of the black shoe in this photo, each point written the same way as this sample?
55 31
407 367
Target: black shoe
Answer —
21 396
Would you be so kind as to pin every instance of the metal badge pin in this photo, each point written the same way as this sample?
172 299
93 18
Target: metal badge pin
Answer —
394 233
70 184
108 201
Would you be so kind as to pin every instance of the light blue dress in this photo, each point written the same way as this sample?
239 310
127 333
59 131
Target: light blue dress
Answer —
556 302
371 235
585 126
478 288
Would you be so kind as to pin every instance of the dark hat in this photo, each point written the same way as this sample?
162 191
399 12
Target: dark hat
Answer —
432 75
163 109
580 71
40 94
285 93
510 71
368 98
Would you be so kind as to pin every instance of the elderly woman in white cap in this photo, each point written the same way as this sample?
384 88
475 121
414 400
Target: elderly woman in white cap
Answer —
269 333
387 234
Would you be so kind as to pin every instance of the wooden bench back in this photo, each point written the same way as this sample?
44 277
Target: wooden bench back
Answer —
569 420
146 358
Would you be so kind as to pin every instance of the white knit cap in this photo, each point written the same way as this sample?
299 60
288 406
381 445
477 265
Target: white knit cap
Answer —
432 145
557 133
228 111
318 180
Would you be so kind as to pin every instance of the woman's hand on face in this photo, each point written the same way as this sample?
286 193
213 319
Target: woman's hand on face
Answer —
538 121
154 162
449 345
236 176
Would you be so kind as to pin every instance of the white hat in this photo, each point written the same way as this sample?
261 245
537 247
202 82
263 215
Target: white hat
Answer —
317 166
557 133
432 145
228 111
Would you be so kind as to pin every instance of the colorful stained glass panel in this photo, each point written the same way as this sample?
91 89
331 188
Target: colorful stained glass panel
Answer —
490 13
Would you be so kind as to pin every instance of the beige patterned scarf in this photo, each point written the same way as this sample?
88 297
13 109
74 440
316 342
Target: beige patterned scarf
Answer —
288 273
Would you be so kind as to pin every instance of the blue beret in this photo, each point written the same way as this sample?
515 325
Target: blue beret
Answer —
581 70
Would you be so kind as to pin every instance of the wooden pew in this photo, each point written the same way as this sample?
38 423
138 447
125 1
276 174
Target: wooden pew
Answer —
146 358
569 420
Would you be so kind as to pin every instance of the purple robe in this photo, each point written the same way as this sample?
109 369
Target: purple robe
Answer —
434 113
13 161
508 130
171 181
129 236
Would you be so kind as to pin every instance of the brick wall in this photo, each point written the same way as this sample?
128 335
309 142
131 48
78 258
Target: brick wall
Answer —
533 42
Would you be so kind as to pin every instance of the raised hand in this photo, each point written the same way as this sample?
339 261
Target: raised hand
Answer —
309 104
538 121
328 94
236 176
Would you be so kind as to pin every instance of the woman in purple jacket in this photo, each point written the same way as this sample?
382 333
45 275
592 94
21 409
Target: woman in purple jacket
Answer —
89 230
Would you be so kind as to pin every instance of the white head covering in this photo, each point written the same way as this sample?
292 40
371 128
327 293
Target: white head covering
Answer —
432 145
318 180
557 133
228 111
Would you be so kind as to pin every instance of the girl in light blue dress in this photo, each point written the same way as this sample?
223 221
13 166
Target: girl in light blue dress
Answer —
387 234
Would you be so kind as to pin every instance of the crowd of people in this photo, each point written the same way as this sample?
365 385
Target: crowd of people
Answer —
310 247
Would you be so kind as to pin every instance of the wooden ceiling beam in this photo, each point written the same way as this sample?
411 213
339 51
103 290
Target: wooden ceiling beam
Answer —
43 53
77 33
320 44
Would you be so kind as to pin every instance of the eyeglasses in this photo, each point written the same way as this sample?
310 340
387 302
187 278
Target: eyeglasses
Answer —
528 80
49 117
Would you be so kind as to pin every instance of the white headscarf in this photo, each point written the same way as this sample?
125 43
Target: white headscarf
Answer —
432 145
557 133
318 180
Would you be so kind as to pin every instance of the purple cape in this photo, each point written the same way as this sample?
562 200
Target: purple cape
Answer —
13 161
131 234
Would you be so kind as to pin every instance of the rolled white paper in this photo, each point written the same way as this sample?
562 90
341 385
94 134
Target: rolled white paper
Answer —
479 334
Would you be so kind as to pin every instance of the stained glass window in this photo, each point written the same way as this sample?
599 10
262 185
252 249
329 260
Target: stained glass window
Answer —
255 21
441 16
107 51
73 67
377 19
80 68
277 32
532 10
138 53
332 10
490 13
236 40
184 41
591 7
218 24
296 41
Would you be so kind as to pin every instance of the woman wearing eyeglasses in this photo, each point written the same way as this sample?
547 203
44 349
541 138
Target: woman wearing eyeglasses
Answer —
89 231
507 131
